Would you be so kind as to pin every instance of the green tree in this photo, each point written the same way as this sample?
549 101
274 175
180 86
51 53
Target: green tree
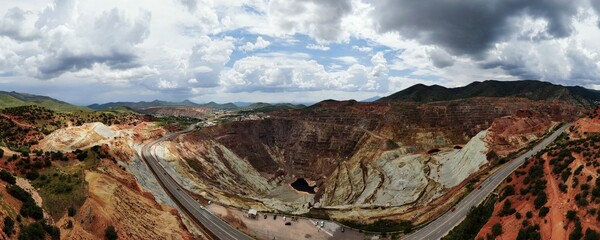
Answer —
110 233
7 177
497 229
590 234
9 225
72 211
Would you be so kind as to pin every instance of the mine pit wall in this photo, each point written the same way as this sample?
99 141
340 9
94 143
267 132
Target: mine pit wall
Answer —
415 124
342 146
311 150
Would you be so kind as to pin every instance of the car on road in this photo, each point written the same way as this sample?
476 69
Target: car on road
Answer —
288 223
343 229
274 216
453 209
479 187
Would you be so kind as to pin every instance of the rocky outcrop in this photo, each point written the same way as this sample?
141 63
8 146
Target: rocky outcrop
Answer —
452 167
511 133
80 137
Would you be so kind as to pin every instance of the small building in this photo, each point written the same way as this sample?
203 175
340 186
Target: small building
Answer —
252 213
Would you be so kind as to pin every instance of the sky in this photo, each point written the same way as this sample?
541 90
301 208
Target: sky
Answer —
96 51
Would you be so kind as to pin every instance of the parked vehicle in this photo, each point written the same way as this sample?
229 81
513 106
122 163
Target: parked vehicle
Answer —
288 223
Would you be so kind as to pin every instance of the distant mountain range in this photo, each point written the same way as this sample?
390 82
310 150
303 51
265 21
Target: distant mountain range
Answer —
268 107
531 89
371 99
15 99
243 106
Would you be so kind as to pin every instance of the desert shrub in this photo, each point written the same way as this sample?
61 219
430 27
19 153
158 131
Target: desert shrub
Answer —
544 211
110 233
7 177
32 175
590 234
72 211
571 215
497 229
540 200
576 234
34 231
9 225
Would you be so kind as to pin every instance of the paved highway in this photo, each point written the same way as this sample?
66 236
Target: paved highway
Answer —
192 208
442 226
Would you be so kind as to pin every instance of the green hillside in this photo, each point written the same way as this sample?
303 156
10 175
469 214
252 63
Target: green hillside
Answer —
14 99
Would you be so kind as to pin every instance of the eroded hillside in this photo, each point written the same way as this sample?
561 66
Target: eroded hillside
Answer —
556 194
81 175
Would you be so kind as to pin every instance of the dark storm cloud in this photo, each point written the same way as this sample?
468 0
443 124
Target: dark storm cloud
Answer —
441 59
72 63
517 69
322 22
596 6
470 26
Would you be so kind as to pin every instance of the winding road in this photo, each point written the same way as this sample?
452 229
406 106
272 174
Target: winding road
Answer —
442 226
193 209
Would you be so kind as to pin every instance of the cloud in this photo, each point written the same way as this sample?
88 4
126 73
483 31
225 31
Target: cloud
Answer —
317 47
208 59
596 6
470 27
14 25
441 58
362 49
348 60
165 84
320 19
191 5
279 73
557 61
81 41
259 44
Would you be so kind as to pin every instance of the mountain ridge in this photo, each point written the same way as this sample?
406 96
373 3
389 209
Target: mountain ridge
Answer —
531 89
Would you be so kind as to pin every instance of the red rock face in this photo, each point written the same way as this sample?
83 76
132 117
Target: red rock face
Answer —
431 125
511 133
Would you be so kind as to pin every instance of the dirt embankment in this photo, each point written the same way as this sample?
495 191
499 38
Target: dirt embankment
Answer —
116 199
114 196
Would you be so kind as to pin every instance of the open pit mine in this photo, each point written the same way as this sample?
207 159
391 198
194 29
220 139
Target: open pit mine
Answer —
358 161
